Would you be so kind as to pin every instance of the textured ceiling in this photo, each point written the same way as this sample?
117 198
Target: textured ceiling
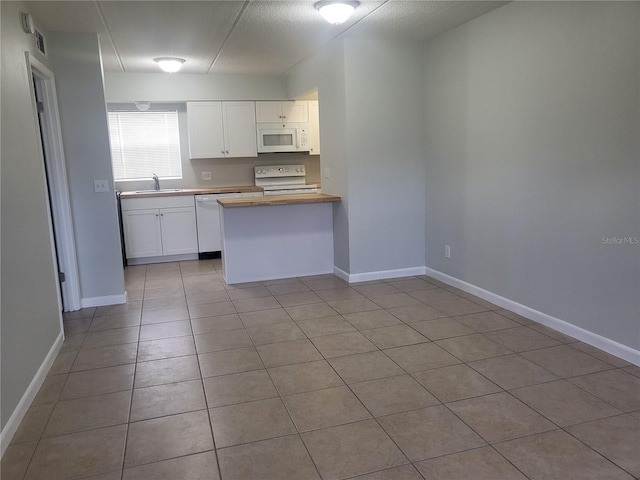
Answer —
240 36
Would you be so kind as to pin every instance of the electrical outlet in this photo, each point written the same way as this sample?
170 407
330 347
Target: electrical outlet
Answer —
100 186
327 172
206 175
447 251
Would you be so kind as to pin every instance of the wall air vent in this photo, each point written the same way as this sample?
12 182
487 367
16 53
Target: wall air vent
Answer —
40 42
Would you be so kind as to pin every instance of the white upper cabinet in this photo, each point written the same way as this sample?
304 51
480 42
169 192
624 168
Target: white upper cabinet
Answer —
239 122
314 128
221 129
282 111
206 139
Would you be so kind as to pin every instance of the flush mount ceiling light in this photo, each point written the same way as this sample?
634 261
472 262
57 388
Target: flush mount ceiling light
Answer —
169 64
336 11
143 106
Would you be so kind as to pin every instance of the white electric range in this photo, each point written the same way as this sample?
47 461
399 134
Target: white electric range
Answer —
283 180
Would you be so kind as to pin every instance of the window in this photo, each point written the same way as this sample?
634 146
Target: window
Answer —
144 143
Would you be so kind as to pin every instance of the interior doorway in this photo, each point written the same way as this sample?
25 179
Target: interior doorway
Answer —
55 176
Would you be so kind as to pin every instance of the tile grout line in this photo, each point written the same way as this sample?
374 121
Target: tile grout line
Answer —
204 393
133 382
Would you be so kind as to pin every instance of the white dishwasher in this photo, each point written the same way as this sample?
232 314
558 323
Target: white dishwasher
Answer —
208 219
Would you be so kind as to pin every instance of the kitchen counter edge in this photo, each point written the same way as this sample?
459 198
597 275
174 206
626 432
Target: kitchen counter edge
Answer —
271 200
193 191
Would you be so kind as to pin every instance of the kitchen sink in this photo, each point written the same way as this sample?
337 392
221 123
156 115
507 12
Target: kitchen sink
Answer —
162 190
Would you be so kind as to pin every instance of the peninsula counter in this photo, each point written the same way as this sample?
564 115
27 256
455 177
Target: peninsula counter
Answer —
273 237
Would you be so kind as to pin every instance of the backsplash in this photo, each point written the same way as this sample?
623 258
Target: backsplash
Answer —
228 171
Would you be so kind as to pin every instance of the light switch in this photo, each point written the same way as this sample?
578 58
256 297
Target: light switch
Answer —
327 172
100 186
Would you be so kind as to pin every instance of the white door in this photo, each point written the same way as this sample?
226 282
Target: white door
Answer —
206 134
239 129
44 92
269 112
295 112
142 233
179 235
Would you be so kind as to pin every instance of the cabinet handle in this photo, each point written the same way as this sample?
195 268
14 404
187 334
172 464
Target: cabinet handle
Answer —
157 215
162 214
227 151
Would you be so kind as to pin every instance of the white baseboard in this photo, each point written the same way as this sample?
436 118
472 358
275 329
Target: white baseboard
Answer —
106 300
380 275
610 346
18 414
340 273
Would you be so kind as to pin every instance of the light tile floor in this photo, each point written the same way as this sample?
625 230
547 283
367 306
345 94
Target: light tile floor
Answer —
313 378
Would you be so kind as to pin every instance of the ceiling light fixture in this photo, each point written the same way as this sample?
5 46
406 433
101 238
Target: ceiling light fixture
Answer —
336 11
143 106
169 64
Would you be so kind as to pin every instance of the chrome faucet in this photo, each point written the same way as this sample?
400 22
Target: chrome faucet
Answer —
156 181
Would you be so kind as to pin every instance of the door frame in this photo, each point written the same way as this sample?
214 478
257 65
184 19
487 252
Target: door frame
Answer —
57 185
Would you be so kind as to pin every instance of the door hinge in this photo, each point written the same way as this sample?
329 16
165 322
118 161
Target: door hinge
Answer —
40 106
61 277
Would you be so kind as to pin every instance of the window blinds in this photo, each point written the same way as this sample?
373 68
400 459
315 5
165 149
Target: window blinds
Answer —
144 143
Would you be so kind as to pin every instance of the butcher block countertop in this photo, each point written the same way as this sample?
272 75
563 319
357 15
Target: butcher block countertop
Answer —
277 200
190 191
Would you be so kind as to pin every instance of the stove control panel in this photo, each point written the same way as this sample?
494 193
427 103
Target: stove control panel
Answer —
280 171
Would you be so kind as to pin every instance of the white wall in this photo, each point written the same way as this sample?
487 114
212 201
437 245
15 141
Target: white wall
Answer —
183 87
29 304
75 59
532 146
370 118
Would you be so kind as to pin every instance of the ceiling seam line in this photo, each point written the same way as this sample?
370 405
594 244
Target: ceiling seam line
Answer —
288 70
235 23
110 35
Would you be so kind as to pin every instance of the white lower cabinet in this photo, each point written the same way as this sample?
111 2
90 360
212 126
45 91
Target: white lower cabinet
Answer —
157 232
178 231
142 234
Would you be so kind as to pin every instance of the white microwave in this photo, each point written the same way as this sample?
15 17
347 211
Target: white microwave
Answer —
278 137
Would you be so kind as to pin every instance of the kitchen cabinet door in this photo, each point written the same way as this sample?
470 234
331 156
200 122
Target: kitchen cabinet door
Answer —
205 129
282 112
295 112
314 128
269 112
239 121
179 234
142 233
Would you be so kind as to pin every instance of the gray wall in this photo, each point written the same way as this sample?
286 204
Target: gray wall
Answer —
29 303
532 147
385 155
370 117
76 62
325 72
164 88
